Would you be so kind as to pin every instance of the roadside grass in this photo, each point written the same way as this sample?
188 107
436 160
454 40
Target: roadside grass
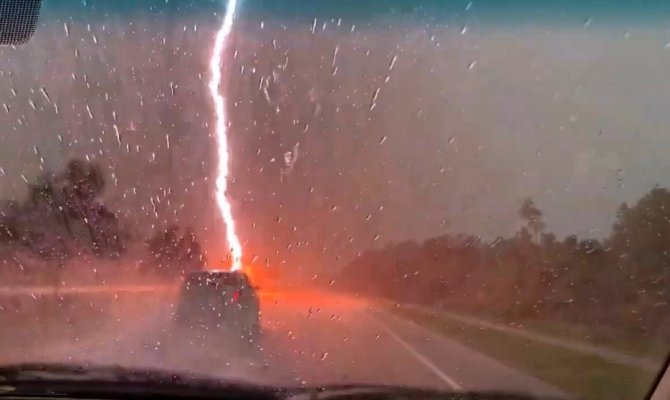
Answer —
584 376
633 345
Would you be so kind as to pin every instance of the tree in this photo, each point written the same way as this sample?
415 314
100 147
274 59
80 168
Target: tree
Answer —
641 243
570 242
533 217
9 225
175 253
191 252
63 217
42 191
617 284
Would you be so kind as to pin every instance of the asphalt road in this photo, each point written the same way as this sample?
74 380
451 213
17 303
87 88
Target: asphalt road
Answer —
308 339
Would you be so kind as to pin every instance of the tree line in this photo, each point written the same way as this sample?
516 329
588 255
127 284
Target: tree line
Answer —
620 281
63 218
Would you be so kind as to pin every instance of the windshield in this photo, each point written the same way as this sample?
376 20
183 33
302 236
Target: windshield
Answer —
461 195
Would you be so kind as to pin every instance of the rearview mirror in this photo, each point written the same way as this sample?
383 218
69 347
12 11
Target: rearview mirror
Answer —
18 19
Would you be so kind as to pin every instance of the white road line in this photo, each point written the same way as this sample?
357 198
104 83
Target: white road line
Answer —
425 361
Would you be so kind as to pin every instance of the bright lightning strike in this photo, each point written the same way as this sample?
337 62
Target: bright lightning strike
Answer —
221 135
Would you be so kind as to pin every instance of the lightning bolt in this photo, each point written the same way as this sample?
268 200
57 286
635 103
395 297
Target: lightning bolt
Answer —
221 135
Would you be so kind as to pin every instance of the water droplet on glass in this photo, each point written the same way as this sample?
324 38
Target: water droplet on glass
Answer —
43 90
373 102
392 63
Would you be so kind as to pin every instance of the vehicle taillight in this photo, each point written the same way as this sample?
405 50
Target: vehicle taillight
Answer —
236 296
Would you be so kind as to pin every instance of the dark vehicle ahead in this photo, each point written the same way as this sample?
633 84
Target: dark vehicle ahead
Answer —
223 300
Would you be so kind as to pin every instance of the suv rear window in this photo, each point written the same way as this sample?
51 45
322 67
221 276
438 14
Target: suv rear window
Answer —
215 279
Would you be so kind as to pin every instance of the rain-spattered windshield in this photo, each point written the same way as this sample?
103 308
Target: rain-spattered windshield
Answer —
462 195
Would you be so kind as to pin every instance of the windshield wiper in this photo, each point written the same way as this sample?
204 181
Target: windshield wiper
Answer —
377 392
113 382
45 372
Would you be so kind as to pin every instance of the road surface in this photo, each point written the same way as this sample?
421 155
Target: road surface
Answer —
308 339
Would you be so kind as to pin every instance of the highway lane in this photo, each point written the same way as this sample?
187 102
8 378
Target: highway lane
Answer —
308 339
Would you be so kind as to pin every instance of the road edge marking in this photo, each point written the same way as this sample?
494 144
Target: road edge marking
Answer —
420 357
